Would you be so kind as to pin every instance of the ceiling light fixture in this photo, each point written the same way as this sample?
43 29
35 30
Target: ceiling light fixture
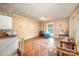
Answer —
44 18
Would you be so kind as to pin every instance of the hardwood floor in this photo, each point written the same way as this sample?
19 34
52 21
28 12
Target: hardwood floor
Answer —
28 46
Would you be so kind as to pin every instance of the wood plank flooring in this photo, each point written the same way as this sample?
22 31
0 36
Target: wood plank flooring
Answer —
28 45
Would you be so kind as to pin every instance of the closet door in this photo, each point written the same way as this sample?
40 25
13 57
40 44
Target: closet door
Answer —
74 22
73 27
77 33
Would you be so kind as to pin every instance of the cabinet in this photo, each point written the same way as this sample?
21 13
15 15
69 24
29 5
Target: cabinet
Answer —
5 22
8 46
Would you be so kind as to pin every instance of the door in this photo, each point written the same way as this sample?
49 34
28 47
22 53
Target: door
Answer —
50 29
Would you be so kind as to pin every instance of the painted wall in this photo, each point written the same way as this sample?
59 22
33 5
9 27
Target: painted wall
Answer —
64 24
25 27
74 26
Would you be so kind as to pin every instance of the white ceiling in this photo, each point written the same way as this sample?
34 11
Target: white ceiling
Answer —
37 10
